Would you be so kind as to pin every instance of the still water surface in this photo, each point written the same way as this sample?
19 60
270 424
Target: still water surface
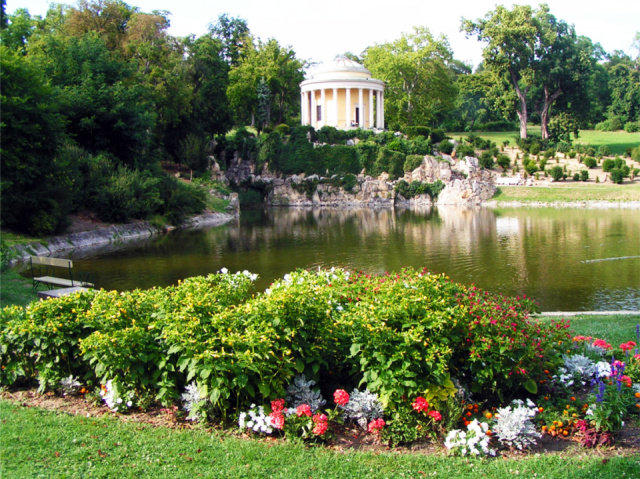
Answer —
566 259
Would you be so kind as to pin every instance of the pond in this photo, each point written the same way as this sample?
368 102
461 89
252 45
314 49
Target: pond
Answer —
566 259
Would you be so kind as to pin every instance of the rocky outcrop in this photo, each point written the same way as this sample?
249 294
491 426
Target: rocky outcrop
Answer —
314 191
466 184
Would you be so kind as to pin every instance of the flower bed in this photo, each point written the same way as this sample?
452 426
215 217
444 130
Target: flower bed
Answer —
414 350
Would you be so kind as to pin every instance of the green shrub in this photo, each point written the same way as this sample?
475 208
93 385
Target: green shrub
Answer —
503 161
445 147
543 163
283 129
412 162
486 160
389 161
617 175
367 154
590 162
635 154
419 188
420 145
632 126
413 131
563 147
437 136
572 154
556 173
530 167
608 165
584 175
612 124
576 177
338 159
603 150
465 150
331 135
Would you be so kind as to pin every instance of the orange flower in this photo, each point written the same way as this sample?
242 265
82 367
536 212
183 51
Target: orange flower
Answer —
488 415
565 433
573 398
468 413
637 395
540 409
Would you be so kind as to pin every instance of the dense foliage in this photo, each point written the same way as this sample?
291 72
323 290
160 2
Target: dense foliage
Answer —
403 334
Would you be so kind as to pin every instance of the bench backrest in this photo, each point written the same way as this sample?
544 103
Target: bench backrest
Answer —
43 260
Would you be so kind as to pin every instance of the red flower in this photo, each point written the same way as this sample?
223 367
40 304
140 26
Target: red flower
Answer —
435 415
628 346
277 405
420 404
376 426
277 419
321 423
601 343
341 397
303 410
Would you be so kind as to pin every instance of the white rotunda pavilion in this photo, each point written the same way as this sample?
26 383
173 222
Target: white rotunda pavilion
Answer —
342 95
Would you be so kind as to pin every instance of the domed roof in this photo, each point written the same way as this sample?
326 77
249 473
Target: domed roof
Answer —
341 67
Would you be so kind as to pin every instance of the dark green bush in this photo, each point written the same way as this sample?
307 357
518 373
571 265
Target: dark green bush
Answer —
617 175
331 135
367 154
530 167
496 126
445 147
338 159
269 149
608 165
632 126
603 150
128 194
486 160
413 131
556 173
420 145
184 200
584 175
503 161
543 163
412 162
389 161
590 162
465 150
611 124
283 129
576 177
419 188
572 154
437 136
563 147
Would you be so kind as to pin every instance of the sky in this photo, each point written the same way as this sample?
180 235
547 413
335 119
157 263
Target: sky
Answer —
318 31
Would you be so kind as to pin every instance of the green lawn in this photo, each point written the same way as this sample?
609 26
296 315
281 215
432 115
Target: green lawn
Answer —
570 191
615 329
38 443
15 289
617 141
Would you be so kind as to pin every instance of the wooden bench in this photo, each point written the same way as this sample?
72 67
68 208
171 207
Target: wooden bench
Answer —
43 269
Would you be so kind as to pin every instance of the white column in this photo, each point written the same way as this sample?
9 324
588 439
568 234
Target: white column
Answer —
370 108
302 108
382 110
335 108
323 103
361 106
378 109
348 108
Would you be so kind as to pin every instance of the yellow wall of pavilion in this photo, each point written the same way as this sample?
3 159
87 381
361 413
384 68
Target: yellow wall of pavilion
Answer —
328 115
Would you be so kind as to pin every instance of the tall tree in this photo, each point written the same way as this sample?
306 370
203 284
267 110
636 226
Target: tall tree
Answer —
419 82
531 49
233 33
282 72
109 18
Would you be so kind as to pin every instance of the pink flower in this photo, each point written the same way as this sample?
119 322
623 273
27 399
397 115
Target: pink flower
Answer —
435 415
277 419
303 410
341 397
420 404
277 405
376 426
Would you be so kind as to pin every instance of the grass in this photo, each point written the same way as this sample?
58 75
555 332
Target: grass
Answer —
15 289
567 192
615 329
39 443
617 141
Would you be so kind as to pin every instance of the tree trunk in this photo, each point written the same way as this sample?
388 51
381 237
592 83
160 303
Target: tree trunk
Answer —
522 112
547 101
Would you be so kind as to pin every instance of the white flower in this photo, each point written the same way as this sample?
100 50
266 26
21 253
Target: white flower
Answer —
224 270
